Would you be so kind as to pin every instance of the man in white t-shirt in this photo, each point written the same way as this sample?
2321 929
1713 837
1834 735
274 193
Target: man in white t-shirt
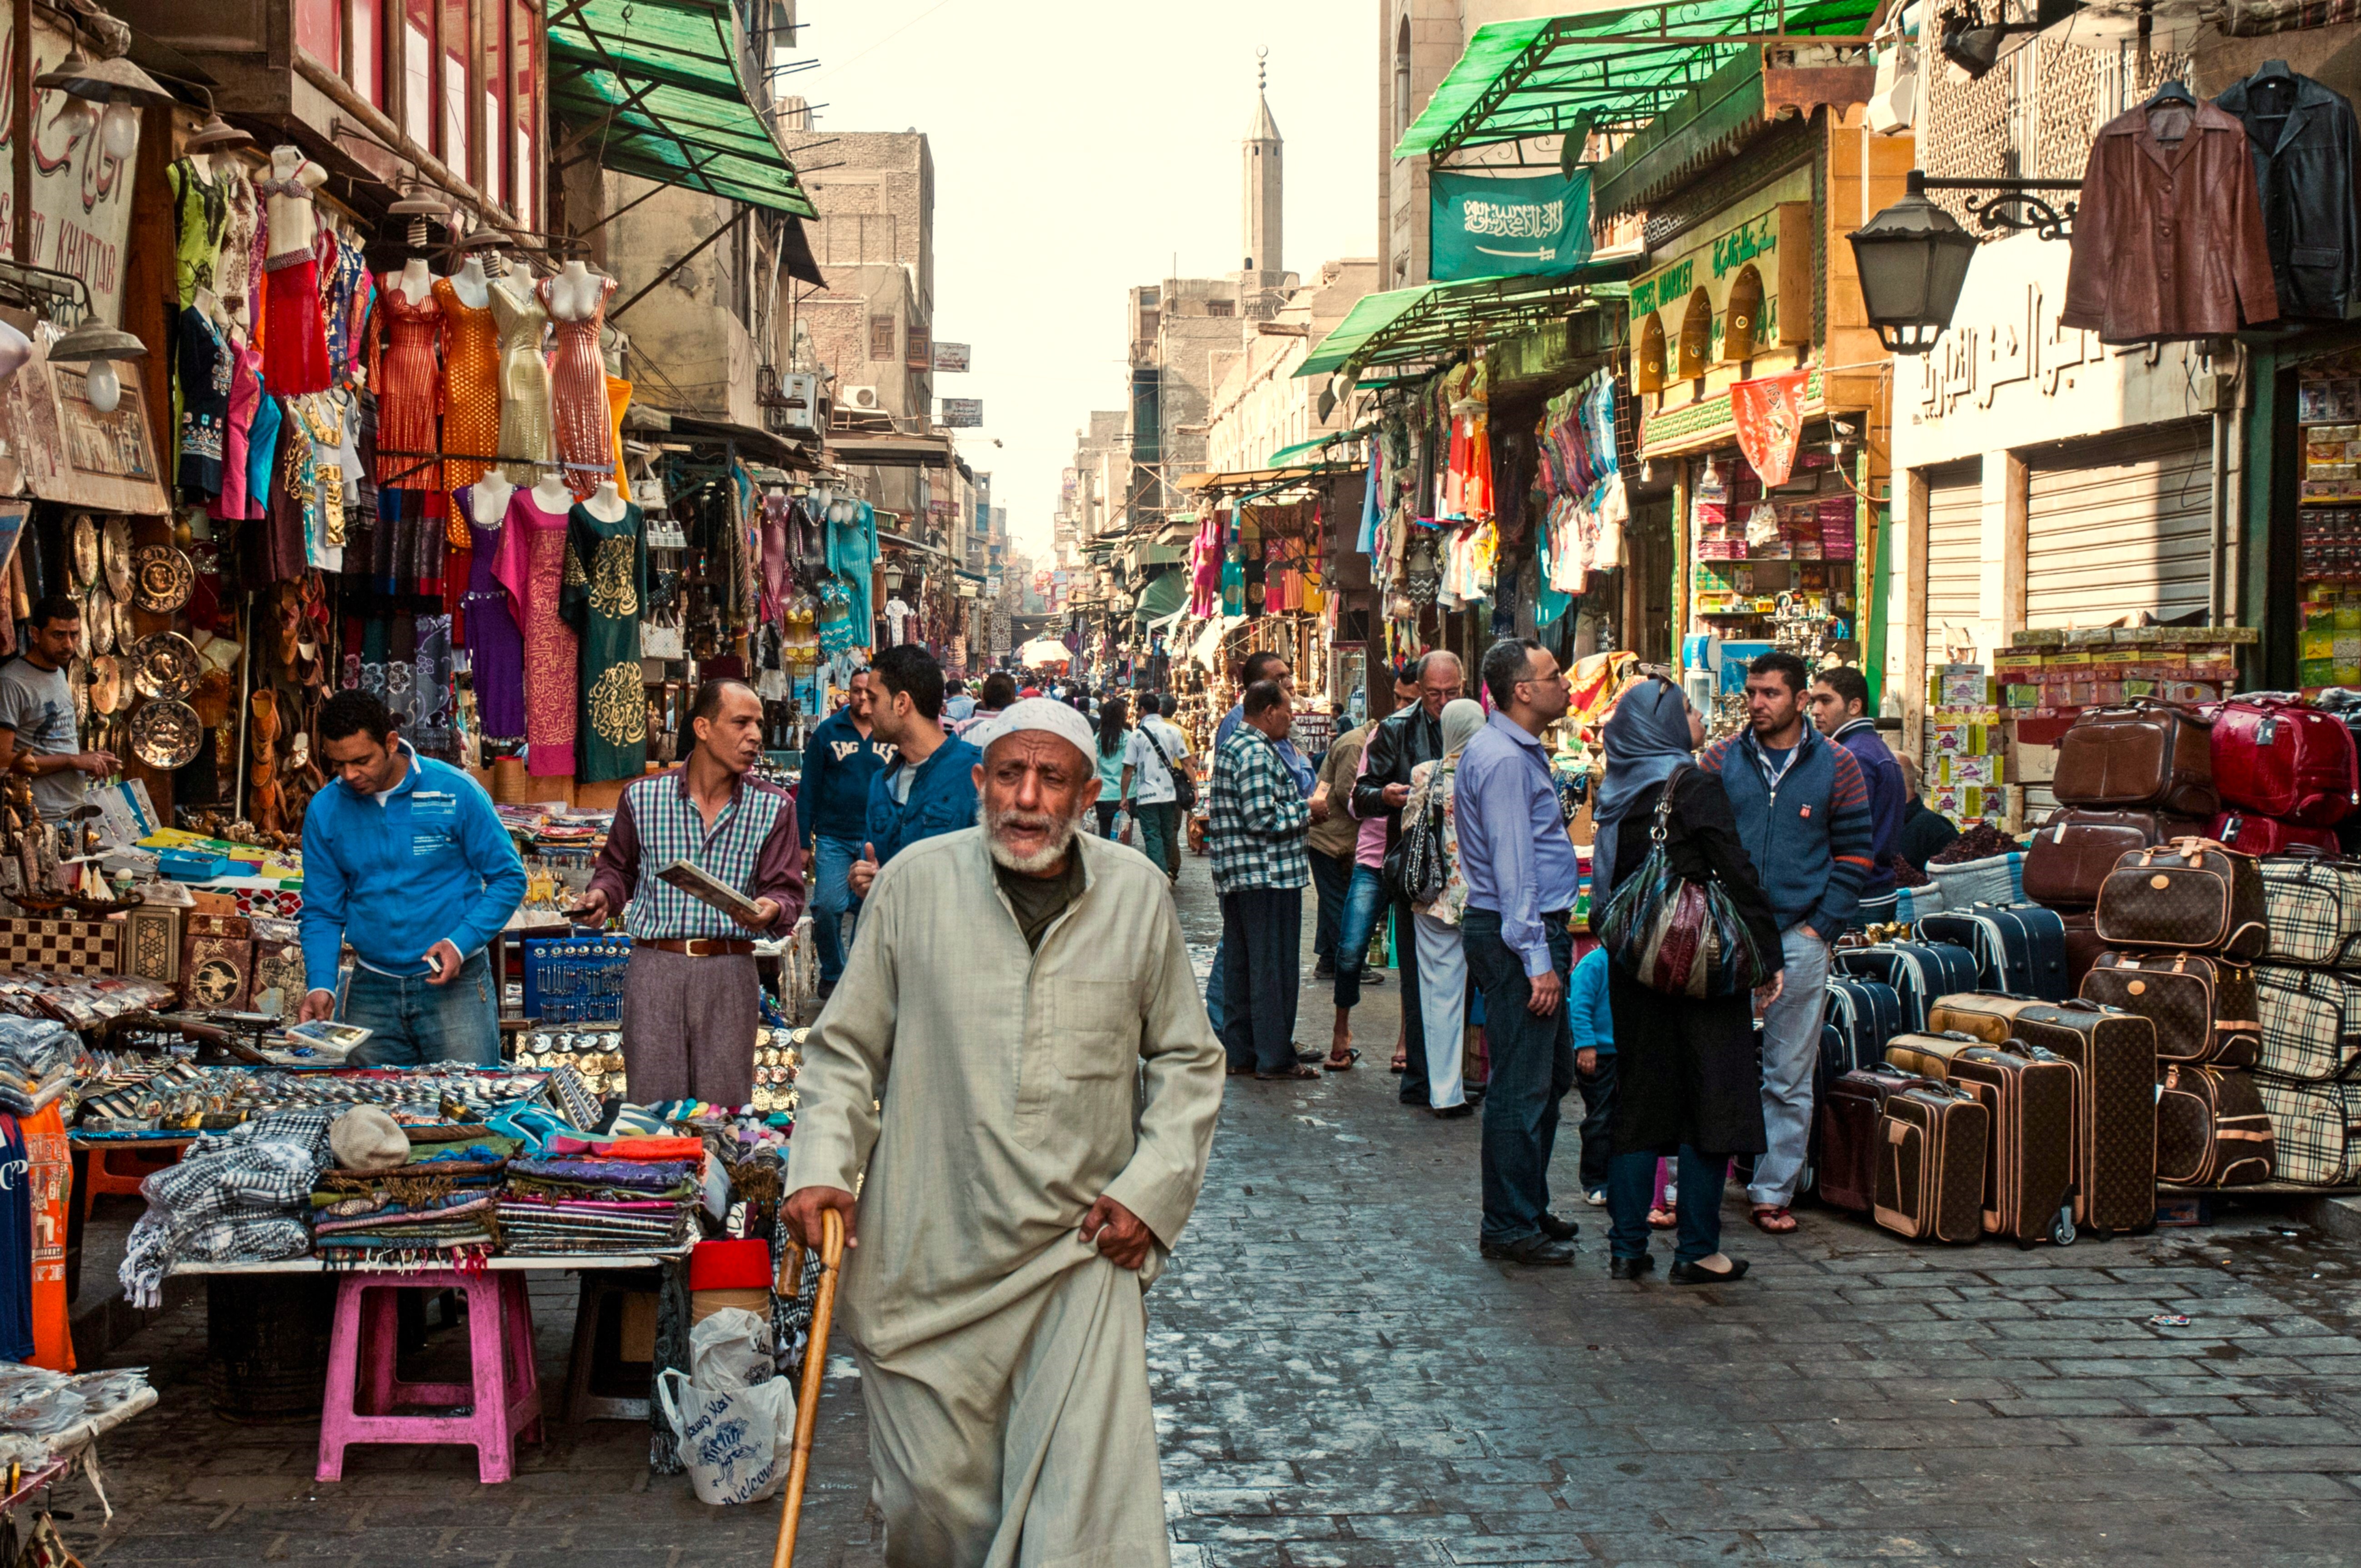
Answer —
1149 793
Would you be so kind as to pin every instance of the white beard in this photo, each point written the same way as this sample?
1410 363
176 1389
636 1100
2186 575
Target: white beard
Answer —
1053 848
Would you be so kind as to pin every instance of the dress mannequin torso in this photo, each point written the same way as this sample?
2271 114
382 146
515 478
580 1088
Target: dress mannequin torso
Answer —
577 293
475 289
294 178
550 494
606 502
488 500
415 280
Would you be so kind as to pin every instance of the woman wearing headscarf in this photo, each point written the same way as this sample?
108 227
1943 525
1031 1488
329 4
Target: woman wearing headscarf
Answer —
1441 960
1687 1076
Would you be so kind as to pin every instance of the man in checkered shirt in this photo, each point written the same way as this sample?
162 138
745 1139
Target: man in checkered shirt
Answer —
1255 827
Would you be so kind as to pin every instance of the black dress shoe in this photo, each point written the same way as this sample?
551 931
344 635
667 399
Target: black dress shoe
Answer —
1690 1274
1632 1267
1453 1113
1557 1230
1532 1250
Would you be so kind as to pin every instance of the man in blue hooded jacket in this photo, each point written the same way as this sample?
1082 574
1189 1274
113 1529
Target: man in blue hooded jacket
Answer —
843 754
930 787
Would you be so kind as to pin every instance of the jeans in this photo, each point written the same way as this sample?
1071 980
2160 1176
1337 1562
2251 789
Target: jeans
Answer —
415 1022
1332 876
1262 944
1532 1068
1597 1119
1442 1006
1631 1192
1159 834
1365 895
832 902
1791 1059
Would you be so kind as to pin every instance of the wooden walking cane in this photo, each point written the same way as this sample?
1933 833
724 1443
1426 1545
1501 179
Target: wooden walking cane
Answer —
831 1254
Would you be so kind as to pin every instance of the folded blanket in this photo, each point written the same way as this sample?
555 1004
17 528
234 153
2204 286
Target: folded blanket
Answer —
651 1175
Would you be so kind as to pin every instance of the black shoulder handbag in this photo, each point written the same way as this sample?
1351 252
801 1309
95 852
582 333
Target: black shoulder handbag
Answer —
1184 787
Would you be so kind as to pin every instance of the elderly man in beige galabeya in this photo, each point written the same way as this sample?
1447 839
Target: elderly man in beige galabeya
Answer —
1017 1059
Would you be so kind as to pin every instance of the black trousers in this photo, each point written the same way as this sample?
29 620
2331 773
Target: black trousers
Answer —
1262 950
1415 1090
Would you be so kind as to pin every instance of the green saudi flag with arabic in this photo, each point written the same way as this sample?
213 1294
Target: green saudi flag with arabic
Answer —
1486 225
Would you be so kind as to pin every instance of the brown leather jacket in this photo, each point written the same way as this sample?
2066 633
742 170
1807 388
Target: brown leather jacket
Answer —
2168 241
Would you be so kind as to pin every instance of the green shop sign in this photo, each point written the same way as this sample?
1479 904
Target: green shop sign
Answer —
1487 226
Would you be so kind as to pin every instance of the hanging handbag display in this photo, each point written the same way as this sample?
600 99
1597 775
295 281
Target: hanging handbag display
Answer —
1675 936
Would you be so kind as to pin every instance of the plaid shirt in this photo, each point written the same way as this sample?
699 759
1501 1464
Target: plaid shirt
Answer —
1255 825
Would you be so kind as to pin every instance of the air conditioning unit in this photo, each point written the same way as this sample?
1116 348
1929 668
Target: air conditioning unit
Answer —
861 398
799 404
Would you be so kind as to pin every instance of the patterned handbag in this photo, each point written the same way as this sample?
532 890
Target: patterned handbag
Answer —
1682 937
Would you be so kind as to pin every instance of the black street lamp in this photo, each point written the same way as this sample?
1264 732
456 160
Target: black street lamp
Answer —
1913 260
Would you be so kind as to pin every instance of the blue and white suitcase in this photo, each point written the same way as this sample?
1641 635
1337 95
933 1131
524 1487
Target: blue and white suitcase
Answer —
2019 948
1863 1015
1918 972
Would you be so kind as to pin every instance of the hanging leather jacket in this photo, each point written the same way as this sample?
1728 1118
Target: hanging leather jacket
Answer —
2168 240
2304 140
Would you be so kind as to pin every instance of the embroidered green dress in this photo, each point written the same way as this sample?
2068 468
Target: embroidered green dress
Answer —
605 593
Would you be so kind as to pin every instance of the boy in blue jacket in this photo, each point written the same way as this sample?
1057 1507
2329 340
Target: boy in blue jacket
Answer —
1594 1066
832 802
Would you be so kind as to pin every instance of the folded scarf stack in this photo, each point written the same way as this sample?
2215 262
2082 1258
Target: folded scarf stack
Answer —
37 1062
438 1211
243 1196
585 1206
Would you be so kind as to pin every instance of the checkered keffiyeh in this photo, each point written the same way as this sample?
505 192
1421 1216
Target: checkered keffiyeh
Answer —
2314 911
240 1197
1256 819
2312 1022
2318 1129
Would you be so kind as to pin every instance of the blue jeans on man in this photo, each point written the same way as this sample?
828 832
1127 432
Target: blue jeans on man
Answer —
414 1022
1532 1068
1790 1061
832 900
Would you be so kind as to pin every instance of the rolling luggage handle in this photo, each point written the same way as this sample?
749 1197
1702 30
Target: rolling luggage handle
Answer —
790 1284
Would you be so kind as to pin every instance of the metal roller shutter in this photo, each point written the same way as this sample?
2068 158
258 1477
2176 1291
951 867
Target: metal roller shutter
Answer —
2118 525
1955 556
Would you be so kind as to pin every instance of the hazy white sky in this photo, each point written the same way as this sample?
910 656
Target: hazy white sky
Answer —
1079 146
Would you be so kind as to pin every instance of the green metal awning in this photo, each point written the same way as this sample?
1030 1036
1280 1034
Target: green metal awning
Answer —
1302 451
658 89
1428 322
1617 70
1162 595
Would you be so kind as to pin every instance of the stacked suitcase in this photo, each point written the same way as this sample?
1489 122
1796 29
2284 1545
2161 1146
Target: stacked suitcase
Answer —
2309 1063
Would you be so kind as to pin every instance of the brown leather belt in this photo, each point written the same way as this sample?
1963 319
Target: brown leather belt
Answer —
698 947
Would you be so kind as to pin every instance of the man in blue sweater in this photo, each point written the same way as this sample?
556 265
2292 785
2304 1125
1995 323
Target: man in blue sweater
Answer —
1840 712
931 788
832 802
1803 813
404 858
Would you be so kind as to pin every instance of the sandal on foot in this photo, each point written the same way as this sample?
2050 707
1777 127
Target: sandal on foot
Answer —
1772 1219
1343 1063
1662 1219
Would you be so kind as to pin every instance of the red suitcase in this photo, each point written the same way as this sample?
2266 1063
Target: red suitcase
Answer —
1846 1176
2253 835
2282 758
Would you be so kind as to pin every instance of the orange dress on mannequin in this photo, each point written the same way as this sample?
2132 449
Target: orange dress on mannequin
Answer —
471 394
577 377
409 389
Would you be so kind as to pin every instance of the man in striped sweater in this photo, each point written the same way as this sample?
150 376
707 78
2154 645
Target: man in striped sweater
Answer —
1803 813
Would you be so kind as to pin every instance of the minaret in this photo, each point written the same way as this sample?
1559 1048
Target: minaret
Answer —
1262 271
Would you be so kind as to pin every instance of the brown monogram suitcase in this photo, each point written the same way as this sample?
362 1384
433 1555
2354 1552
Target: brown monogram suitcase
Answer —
2192 894
2031 1161
1931 1164
2072 852
2139 754
1846 1176
2204 1010
2114 1114
1928 1056
2211 1129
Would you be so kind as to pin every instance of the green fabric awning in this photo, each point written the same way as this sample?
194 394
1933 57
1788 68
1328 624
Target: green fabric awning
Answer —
1162 595
1433 319
1306 451
1615 70
658 89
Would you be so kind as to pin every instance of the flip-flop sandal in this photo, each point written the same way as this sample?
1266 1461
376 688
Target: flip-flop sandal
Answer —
1773 1218
1400 1064
1662 1219
1297 1072
1343 1063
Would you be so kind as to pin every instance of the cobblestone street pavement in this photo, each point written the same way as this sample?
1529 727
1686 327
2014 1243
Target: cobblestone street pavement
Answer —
1341 1380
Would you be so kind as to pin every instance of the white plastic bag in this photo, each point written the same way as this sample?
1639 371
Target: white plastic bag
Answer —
734 1433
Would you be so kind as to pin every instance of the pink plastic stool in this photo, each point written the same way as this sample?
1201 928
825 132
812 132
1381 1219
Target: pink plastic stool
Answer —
363 1393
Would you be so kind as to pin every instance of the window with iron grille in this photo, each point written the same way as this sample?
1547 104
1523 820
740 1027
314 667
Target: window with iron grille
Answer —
880 338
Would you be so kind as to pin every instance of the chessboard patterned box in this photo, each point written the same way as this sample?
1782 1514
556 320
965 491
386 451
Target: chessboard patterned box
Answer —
62 947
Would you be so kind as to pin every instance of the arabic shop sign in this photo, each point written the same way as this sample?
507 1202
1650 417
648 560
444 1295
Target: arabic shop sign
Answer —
1489 227
82 193
1758 257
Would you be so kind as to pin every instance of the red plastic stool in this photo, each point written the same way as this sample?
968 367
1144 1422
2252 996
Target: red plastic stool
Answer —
104 1178
503 1396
